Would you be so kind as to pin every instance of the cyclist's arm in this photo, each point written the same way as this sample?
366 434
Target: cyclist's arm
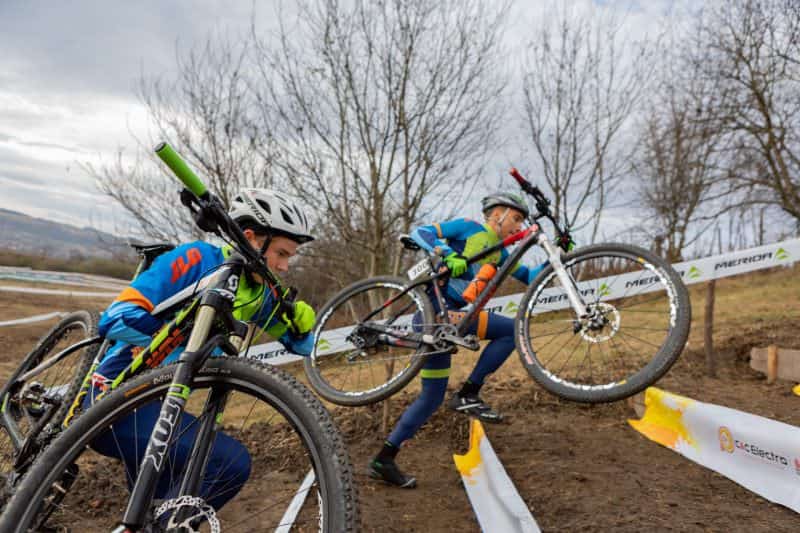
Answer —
266 318
301 345
128 318
129 323
433 235
523 273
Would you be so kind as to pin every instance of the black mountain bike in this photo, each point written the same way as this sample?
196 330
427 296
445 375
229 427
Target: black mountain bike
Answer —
598 324
300 474
43 394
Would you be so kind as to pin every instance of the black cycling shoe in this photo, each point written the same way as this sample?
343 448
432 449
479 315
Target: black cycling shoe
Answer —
388 472
472 405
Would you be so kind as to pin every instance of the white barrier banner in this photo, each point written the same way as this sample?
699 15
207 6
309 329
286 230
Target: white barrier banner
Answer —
496 502
61 278
699 270
32 319
760 454
71 294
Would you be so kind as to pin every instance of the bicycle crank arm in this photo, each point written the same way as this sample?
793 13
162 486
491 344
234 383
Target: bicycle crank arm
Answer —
470 342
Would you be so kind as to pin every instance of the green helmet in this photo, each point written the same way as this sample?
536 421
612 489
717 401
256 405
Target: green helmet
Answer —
505 199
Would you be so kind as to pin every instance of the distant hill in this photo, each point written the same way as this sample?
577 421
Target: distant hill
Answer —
30 235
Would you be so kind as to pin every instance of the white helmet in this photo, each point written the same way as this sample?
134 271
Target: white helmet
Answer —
274 212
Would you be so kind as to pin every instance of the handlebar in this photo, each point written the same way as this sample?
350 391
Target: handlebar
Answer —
211 216
564 239
181 169
530 188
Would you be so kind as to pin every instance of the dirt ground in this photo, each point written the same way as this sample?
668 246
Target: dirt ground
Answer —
583 468
579 468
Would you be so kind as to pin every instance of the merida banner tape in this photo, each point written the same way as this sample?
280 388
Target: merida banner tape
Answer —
760 454
496 502
718 266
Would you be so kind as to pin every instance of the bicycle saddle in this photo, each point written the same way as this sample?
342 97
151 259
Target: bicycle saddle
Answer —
409 243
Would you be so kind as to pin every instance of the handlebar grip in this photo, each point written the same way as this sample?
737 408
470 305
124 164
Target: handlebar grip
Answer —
181 169
517 176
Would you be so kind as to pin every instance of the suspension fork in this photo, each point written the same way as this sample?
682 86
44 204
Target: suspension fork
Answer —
163 433
554 255
210 426
167 423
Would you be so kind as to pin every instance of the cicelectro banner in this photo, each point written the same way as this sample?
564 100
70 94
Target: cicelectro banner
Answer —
496 502
760 454
718 266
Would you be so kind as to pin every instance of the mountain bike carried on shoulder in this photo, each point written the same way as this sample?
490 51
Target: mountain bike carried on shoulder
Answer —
283 457
599 323
43 393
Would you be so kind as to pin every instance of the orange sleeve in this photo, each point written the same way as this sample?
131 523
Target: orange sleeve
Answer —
131 295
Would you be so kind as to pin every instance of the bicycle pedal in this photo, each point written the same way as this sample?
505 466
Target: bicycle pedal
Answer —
470 342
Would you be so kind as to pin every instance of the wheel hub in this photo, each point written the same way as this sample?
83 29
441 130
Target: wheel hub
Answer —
601 324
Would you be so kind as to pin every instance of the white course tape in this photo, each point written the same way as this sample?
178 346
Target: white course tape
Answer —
290 515
76 294
62 278
760 454
31 319
718 266
496 502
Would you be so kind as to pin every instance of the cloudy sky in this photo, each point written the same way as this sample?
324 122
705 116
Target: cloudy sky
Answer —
68 75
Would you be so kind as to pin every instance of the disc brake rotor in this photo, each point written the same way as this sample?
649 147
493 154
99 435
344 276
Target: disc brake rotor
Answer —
602 324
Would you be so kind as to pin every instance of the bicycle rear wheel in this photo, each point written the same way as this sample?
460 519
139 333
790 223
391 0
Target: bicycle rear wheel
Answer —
639 323
281 461
348 365
29 400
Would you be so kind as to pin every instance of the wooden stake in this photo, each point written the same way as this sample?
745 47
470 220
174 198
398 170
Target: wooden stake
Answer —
772 363
708 332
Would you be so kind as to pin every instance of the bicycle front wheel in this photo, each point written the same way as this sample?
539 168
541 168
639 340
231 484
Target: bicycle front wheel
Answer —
349 364
278 461
637 325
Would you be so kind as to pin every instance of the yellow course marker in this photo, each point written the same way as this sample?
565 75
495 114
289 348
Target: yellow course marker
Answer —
495 501
758 453
663 420
467 463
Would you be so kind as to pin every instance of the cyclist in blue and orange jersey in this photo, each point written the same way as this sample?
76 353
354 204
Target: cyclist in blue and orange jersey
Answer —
460 238
270 221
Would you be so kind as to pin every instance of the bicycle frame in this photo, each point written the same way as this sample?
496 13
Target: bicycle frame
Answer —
216 303
528 237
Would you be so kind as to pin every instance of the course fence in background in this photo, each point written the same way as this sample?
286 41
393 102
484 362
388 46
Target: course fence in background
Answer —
696 271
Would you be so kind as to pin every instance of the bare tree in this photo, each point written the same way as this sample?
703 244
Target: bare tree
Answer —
387 112
582 82
208 115
750 48
678 162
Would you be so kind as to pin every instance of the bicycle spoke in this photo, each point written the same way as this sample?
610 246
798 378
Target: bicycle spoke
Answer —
256 434
634 324
384 305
